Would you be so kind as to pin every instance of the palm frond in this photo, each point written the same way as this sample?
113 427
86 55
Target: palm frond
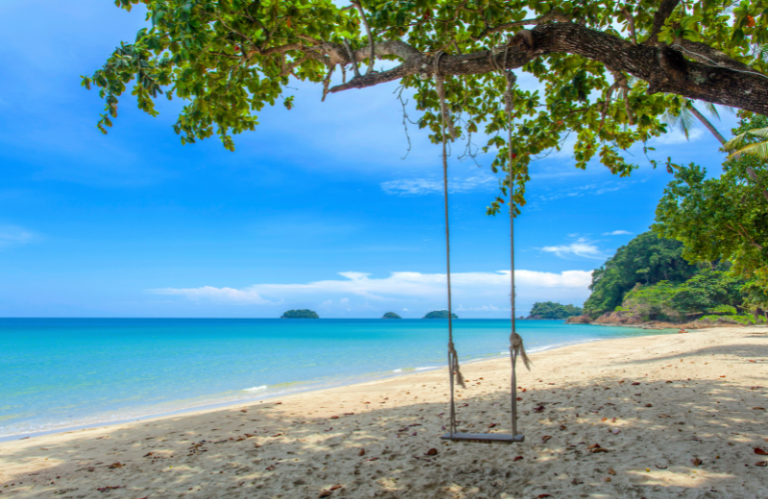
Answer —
712 110
759 132
736 142
759 149
684 120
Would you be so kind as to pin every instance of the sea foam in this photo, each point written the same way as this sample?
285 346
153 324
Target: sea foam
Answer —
256 388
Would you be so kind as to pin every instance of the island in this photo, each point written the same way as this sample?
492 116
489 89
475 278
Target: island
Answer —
391 315
440 314
553 311
300 314
649 283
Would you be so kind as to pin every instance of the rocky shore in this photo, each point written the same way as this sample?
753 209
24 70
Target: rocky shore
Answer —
628 319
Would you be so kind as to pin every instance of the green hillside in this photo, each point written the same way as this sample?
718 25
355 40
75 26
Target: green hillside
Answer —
552 310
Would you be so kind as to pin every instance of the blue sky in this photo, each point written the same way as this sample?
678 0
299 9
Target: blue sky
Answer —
316 209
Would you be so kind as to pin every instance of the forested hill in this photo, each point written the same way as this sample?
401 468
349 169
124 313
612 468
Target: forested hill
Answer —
645 260
552 310
648 280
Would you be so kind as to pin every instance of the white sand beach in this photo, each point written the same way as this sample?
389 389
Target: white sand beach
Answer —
676 415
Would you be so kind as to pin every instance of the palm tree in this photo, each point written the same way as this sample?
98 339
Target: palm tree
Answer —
684 119
739 145
760 149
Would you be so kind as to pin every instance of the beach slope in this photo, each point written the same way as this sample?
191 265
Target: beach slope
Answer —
677 415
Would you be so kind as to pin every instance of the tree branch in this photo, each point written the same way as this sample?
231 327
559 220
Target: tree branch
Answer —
665 69
352 58
665 10
553 15
630 24
705 54
370 36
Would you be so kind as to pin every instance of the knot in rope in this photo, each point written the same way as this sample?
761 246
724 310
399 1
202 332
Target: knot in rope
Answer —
516 349
454 367
439 86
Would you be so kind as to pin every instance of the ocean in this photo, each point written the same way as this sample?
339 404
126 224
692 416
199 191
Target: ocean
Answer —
57 374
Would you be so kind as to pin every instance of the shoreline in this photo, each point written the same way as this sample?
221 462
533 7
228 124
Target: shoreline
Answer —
677 414
216 406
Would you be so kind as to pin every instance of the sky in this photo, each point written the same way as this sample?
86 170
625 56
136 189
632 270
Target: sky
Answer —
315 209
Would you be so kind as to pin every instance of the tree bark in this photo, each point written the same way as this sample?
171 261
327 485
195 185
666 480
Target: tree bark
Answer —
663 68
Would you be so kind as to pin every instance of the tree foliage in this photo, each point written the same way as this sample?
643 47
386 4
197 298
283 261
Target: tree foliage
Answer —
647 259
710 291
721 218
608 69
300 314
391 315
552 310
440 314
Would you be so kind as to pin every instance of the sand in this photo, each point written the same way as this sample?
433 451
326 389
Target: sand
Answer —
674 416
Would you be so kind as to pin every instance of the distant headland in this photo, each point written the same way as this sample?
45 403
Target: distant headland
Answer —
553 311
300 314
391 315
440 314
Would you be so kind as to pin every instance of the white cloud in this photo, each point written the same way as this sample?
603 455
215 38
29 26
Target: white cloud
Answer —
617 233
610 189
420 186
399 285
588 190
243 296
482 308
12 235
581 247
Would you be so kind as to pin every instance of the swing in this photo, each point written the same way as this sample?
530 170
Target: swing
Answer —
516 342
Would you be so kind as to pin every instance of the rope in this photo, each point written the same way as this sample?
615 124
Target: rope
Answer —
516 347
454 371
439 81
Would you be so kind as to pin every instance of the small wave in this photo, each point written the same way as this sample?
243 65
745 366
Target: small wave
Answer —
397 370
256 388
426 368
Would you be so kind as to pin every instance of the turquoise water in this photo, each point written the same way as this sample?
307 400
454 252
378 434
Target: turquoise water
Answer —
61 373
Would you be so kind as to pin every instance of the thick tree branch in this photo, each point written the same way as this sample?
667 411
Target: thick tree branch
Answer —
704 53
665 69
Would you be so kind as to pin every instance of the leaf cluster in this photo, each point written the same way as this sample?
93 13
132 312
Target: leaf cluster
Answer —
227 59
708 292
721 218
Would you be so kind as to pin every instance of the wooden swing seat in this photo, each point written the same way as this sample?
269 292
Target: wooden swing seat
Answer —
486 438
